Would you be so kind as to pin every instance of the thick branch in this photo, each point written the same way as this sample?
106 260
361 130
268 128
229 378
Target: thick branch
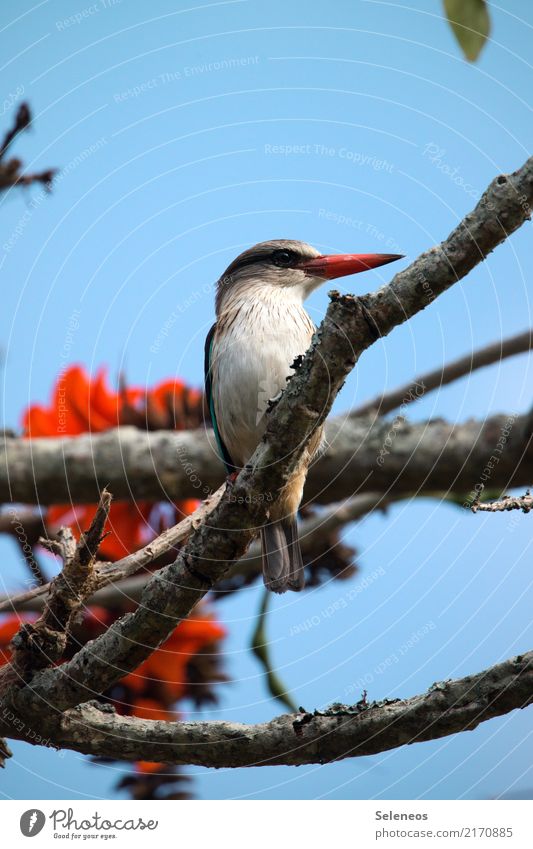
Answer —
495 353
341 732
420 458
112 572
114 582
218 544
303 407
503 207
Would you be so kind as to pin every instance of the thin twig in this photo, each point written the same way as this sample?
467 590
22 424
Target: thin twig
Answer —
350 326
21 123
5 752
508 502
420 386
10 170
40 644
116 583
26 527
108 573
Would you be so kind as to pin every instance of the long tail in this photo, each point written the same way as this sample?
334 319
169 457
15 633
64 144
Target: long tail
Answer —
283 568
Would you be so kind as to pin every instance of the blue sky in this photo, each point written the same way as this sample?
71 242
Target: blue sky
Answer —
185 134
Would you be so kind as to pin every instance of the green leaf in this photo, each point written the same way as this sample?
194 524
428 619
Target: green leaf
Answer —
259 646
470 22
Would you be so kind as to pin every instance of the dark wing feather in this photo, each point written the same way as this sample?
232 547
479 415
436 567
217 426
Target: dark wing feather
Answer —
222 450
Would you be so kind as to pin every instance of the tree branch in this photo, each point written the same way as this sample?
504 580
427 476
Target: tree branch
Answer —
25 527
508 502
503 207
40 644
5 752
363 455
21 123
448 707
213 547
10 171
494 353
112 572
114 582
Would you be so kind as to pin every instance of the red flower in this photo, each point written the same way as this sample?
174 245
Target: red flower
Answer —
151 692
81 405
9 626
169 663
161 680
165 673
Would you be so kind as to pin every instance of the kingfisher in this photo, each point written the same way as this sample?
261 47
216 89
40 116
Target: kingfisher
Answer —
261 328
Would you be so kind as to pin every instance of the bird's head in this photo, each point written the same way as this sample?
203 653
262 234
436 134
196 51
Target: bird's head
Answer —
295 267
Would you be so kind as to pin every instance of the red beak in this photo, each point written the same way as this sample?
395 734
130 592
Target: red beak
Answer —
339 265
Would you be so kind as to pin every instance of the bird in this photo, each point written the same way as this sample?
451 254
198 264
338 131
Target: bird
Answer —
261 328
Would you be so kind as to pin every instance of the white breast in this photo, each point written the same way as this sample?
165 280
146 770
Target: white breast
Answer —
253 350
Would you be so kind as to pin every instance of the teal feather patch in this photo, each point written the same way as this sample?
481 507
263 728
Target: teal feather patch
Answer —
222 450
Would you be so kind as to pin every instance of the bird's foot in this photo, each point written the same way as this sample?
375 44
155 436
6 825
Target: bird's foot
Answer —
230 479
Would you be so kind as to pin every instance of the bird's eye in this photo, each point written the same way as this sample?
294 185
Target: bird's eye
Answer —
283 259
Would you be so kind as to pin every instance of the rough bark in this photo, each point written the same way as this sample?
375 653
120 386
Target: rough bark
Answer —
503 207
217 544
115 583
343 731
350 326
42 643
508 502
363 455
111 572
